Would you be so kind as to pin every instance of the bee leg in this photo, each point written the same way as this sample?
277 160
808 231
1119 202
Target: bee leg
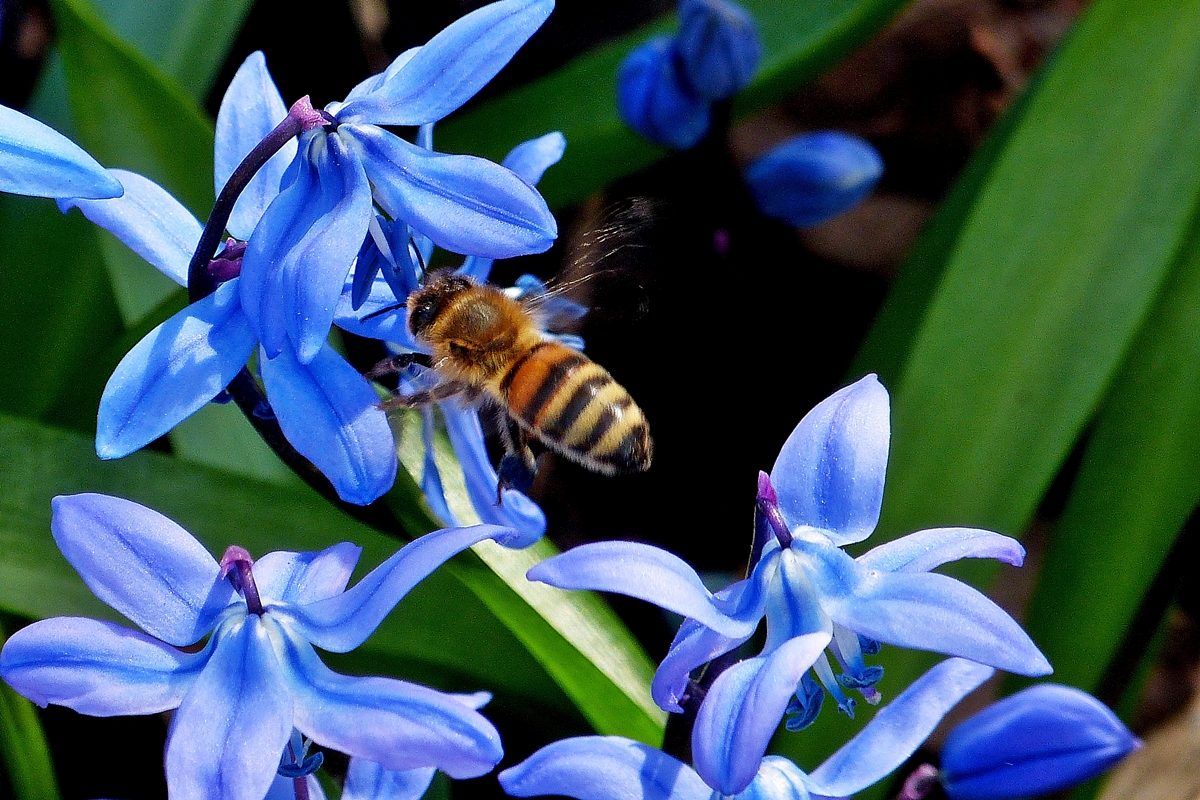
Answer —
443 391
518 466
397 363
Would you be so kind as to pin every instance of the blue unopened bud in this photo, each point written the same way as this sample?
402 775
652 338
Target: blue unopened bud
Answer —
813 176
718 46
654 99
1046 738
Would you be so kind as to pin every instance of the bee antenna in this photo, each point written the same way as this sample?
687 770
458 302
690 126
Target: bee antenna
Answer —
417 250
381 311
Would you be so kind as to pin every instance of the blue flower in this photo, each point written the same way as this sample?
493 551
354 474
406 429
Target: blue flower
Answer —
718 47
730 763
1040 740
326 409
656 100
814 176
829 477
39 161
303 247
391 264
239 696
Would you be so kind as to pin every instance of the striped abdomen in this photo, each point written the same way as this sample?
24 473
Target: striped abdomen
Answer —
576 408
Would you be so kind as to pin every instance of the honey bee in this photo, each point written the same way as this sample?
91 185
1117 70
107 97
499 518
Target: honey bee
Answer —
487 345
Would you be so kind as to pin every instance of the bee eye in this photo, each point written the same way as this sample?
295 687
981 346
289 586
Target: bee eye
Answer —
422 317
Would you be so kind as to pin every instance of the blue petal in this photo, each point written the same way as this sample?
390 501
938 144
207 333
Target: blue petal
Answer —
148 220
97 668
226 737
399 725
381 315
647 573
369 85
306 577
515 509
451 67
1045 738
173 371
531 159
331 415
719 47
603 768
366 780
285 789
897 729
344 622
929 549
39 161
777 779
924 611
464 204
250 109
142 564
654 99
743 708
829 474
793 603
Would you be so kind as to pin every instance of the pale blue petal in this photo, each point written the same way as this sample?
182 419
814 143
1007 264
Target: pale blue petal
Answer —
531 159
332 416
515 510
1040 740
399 725
793 606
451 67
829 474
305 577
777 779
369 85
924 611
39 161
344 622
431 476
141 564
97 668
381 315
929 549
250 109
603 768
173 371
148 220
647 573
226 737
285 789
743 708
464 204
366 780
897 729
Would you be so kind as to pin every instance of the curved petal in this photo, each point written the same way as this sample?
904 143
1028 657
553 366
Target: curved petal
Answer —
250 109
39 161
603 768
97 668
654 98
515 510
148 220
173 371
464 204
531 159
141 564
331 415
924 611
743 708
897 729
381 315
344 622
366 780
929 549
399 725
285 789
369 85
1045 738
829 473
451 67
306 577
226 737
777 779
793 607
647 573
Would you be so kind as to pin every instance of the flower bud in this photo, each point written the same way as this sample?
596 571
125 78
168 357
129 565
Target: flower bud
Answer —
718 46
1046 738
654 99
814 176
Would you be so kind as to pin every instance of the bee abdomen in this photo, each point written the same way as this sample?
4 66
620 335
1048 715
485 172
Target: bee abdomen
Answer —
577 409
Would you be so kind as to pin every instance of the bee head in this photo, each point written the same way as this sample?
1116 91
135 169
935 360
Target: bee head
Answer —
426 303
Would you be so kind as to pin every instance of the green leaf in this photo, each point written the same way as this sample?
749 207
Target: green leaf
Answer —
463 629
800 40
1137 485
23 748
